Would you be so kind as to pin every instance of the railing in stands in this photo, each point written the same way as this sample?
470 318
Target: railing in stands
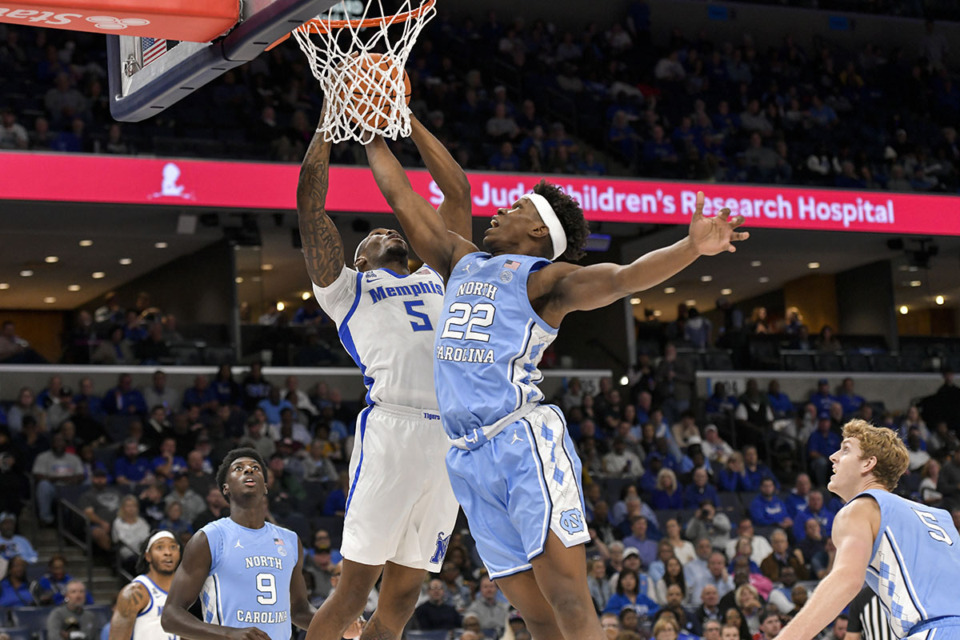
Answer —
65 534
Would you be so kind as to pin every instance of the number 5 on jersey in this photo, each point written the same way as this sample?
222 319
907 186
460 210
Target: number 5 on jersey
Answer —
936 532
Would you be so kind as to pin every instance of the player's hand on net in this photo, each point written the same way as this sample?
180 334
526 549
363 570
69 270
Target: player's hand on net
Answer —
715 235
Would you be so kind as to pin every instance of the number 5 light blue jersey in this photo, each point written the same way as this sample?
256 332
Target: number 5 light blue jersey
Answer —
489 343
386 324
250 573
915 564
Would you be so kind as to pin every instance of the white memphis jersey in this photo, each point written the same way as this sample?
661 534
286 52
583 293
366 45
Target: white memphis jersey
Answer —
386 322
147 626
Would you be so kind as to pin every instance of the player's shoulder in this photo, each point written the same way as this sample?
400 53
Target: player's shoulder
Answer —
134 597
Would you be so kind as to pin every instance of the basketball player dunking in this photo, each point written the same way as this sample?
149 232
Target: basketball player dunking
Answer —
400 507
908 553
140 603
513 466
247 572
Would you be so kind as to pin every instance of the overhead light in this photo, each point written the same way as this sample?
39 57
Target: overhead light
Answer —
670 290
86 243
305 295
51 259
726 292
160 245
49 299
126 261
706 278
267 267
813 265
915 283
657 313
691 302
73 287
4 286
635 301
764 279
755 263
938 299
281 306
624 381
98 274
238 279
26 273
904 310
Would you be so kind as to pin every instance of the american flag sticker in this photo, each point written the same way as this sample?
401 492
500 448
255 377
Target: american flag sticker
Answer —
511 264
152 48
278 541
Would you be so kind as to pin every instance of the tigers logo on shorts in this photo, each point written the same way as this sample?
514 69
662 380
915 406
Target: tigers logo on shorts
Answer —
442 544
572 521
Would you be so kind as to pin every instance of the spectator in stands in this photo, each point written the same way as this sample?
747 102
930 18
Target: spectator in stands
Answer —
29 443
639 540
131 468
708 614
255 387
672 577
100 504
761 547
682 549
12 134
435 613
913 420
822 444
778 401
63 102
631 562
124 399
175 522
51 587
828 342
71 621
799 496
159 394
628 594
698 330
26 405
770 625
675 379
815 509
128 531
782 596
753 409
814 549
190 501
272 405
709 525
719 402
699 490
686 432
52 469
256 435
14 588
715 449
668 494
490 610
767 509
116 350
621 462
822 398
168 463
60 410
610 623
217 507
717 576
755 471
782 557
225 387
290 428
152 349
597 582
13 545
664 552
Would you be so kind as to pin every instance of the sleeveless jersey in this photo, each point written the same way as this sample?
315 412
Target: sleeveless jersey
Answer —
489 342
147 626
915 562
249 581
386 323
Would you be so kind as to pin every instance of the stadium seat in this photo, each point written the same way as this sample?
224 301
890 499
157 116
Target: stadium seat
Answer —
856 362
730 502
18 633
884 362
798 362
828 362
32 618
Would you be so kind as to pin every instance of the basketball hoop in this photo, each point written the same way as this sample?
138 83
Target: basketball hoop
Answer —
366 94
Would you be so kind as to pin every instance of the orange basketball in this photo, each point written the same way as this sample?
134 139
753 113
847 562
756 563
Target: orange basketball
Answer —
373 91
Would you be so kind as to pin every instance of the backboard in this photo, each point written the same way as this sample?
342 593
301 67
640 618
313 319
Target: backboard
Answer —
148 75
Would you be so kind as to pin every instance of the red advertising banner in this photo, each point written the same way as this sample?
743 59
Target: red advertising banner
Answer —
247 185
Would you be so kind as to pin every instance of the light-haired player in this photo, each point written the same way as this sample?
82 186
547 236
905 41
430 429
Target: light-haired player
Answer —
400 508
140 603
909 552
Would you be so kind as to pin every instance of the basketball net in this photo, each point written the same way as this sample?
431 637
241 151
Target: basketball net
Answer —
364 99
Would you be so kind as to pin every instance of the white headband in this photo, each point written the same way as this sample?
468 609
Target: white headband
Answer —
160 535
549 217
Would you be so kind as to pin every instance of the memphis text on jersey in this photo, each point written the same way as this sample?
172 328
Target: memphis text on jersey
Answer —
415 290
466 322
266 583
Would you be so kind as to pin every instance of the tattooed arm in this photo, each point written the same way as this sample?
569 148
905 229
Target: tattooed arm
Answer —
131 601
322 246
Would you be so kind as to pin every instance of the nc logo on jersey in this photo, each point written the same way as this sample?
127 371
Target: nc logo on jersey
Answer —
572 521
506 276
441 551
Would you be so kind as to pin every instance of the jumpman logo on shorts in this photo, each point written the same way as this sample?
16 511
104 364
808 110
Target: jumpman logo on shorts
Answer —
516 438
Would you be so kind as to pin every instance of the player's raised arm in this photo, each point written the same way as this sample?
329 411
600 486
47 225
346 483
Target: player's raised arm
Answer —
457 207
428 234
187 584
131 601
854 532
582 289
301 611
322 245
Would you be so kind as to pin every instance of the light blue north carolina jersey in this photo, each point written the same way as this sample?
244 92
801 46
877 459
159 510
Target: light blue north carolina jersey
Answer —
915 563
489 342
386 323
250 573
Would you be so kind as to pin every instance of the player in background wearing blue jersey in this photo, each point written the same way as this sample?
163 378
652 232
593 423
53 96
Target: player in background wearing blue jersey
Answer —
513 467
140 603
907 552
247 572
400 508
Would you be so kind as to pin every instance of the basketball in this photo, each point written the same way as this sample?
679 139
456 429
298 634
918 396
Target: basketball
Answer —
371 89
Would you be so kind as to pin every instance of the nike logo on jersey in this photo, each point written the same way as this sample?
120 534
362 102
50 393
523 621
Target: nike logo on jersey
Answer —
516 438
238 545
